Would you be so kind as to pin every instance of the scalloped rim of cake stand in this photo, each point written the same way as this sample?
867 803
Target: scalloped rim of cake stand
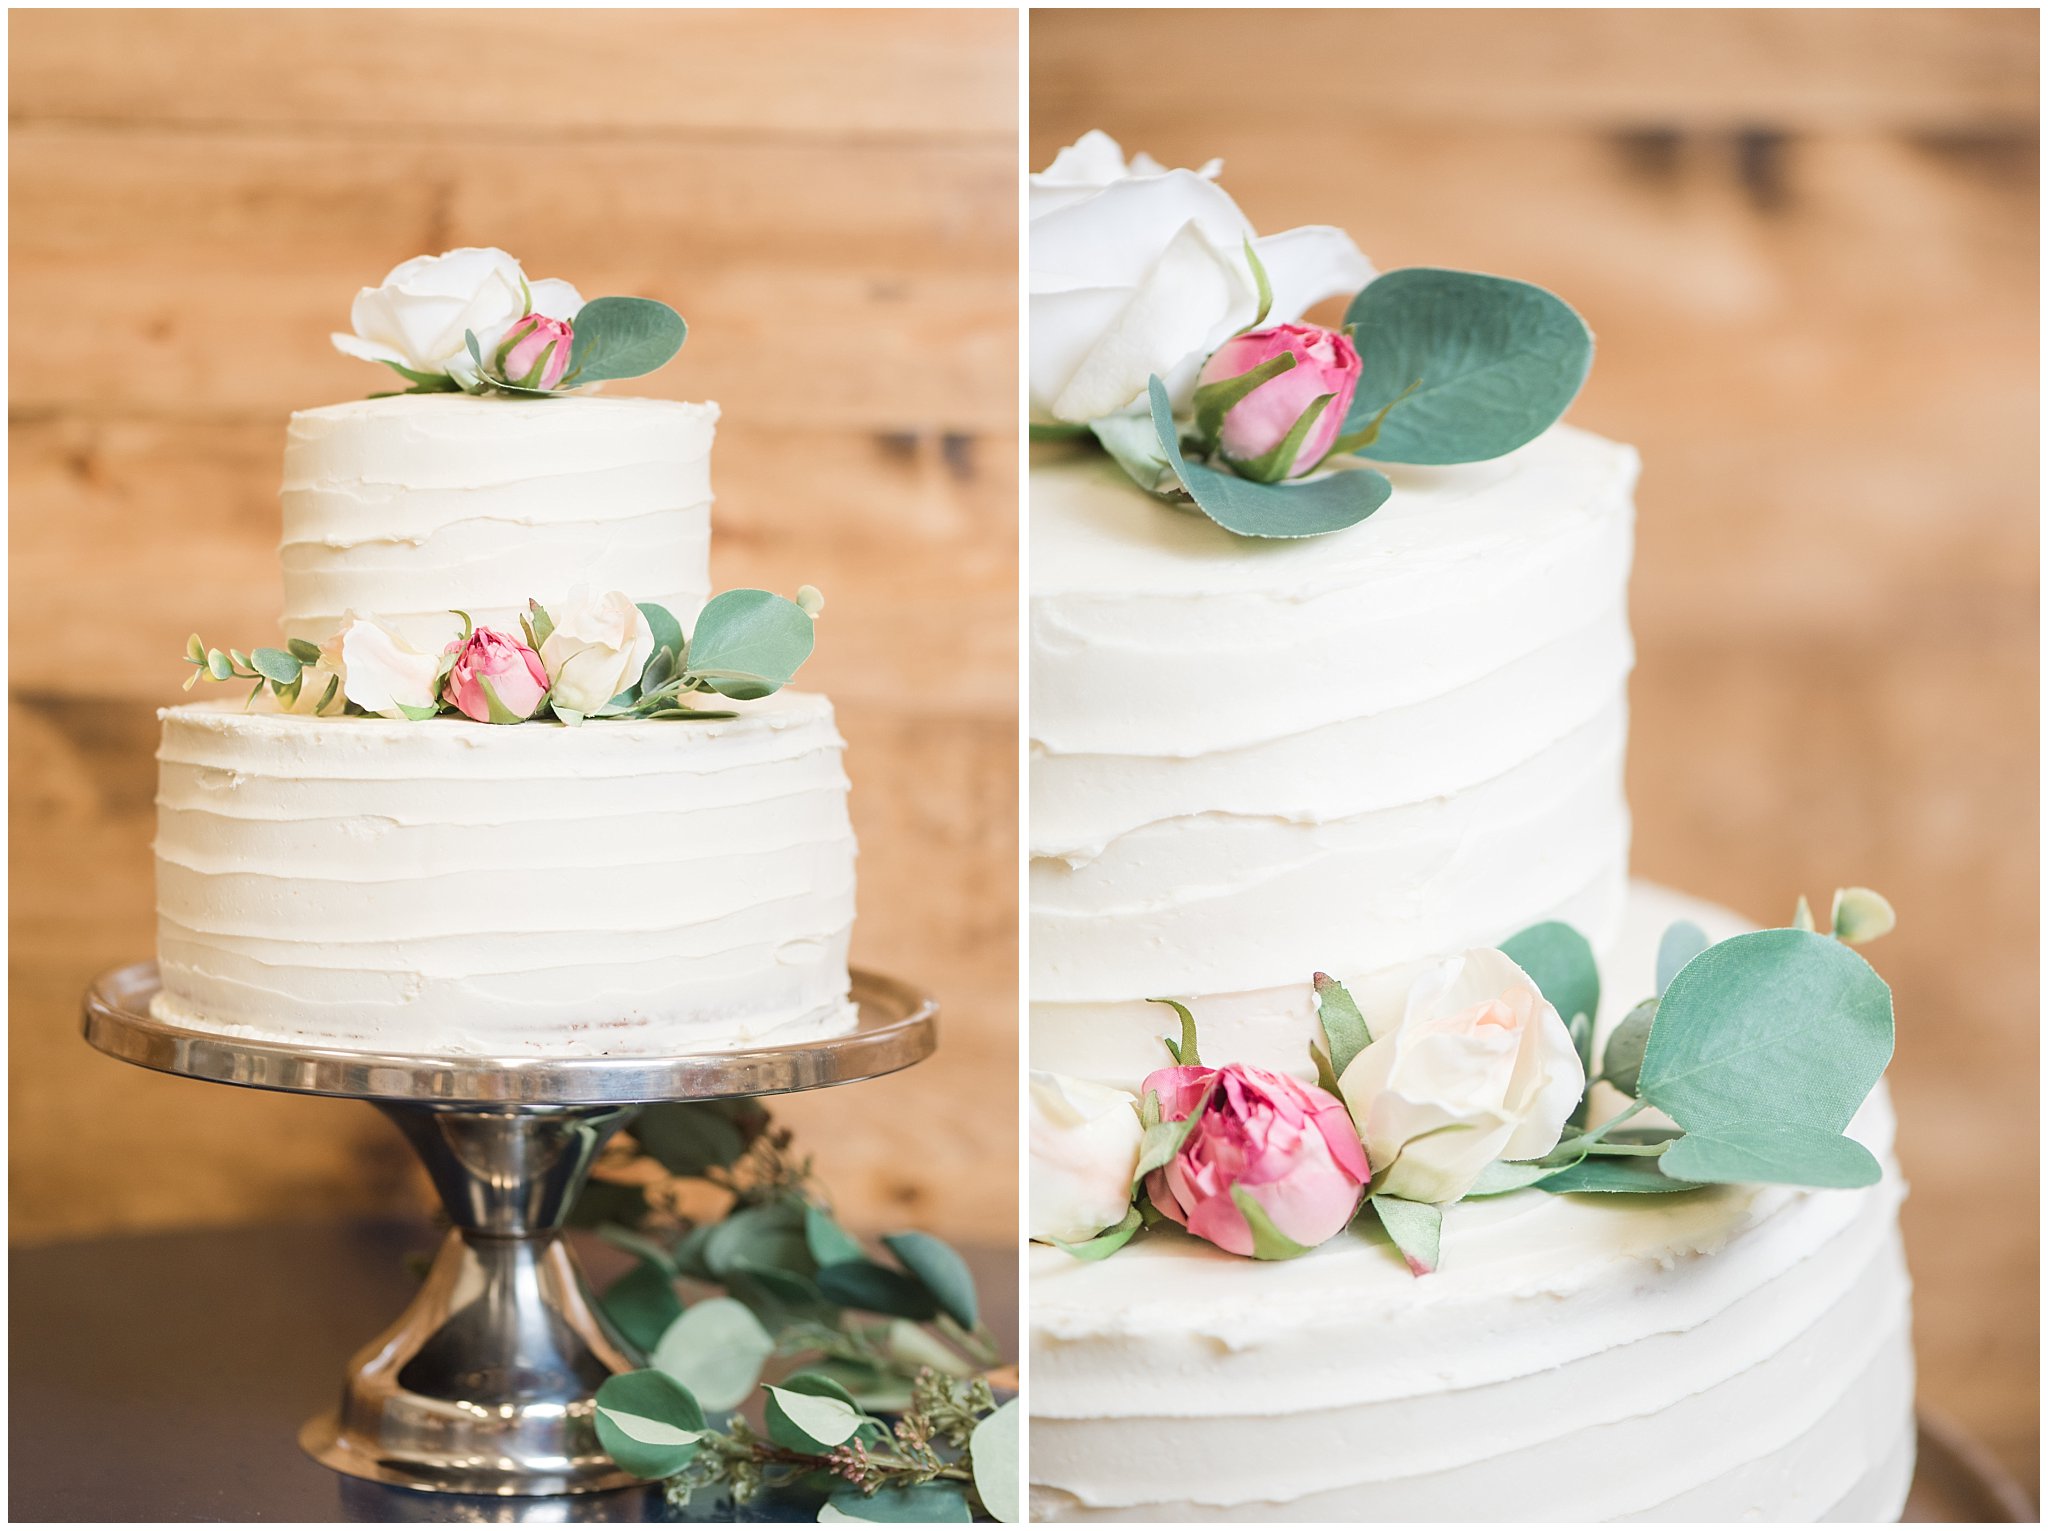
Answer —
898 1026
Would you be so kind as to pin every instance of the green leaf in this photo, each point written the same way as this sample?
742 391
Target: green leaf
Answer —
748 643
870 1386
1621 1176
648 1423
1343 1023
1261 282
622 337
1774 1025
1301 508
1131 440
1493 363
327 696
1417 1229
690 1137
716 1350
1681 943
542 625
1504 1175
770 1236
1622 1061
639 1246
1860 915
195 651
995 1447
877 1289
1561 962
642 1304
1776 1153
912 1347
943 1272
1107 1243
668 632
1268 1242
812 1419
1213 401
1162 1139
1802 914
829 1243
421 714
305 653
1184 1054
1326 1076
606 1201
219 666
1057 430
930 1503
425 382
494 707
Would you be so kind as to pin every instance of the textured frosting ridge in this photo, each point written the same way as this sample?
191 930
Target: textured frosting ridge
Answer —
406 507
620 888
1738 1353
1252 760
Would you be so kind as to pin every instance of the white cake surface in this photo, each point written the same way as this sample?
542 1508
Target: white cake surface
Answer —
452 887
403 508
1256 759
1731 1354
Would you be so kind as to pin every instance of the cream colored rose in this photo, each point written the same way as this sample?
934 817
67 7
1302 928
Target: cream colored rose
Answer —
1137 269
598 649
416 317
1084 1155
380 672
1474 1067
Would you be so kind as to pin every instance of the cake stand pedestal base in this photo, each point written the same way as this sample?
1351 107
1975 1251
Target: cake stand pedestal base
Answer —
486 1384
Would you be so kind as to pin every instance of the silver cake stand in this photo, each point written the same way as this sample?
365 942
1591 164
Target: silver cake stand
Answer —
486 1383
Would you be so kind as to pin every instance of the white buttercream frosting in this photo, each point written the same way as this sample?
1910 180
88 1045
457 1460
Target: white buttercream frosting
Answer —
457 887
406 507
1731 1354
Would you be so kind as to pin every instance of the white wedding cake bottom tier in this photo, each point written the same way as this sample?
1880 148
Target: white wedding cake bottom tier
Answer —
1729 1354
622 888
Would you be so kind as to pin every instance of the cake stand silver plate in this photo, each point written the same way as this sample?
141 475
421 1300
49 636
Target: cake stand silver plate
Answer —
486 1384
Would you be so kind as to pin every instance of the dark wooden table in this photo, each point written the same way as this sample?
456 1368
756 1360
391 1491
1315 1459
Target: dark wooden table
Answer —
163 1377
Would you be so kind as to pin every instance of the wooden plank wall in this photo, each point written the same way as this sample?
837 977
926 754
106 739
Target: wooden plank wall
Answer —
1807 240
830 200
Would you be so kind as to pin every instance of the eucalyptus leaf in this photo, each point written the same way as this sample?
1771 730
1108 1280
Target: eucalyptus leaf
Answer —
1860 915
829 1243
1802 914
1184 1052
1268 1242
1132 442
1417 1229
869 1386
716 1350
1681 942
1505 1175
622 337
996 1447
748 643
219 666
425 382
1561 962
690 1137
1623 1176
1776 1153
1622 1061
877 1289
932 1504
1492 363
811 1421
1343 1023
944 1274
914 1347
771 1236
641 1305
1307 507
304 652
195 650
277 665
638 1245
1775 1025
648 1423
662 623
1108 1242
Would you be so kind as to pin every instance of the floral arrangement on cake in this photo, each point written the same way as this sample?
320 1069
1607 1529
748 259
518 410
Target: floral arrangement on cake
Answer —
871 1370
589 657
1475 1078
469 320
1166 332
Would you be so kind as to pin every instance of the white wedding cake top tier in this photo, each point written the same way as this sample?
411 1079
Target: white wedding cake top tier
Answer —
407 506
1258 759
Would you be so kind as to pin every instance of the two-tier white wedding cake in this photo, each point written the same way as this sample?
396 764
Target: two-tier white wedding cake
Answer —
424 882
1255 759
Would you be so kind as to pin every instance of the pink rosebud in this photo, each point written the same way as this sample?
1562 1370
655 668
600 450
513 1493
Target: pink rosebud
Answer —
511 670
1290 1146
1325 361
535 351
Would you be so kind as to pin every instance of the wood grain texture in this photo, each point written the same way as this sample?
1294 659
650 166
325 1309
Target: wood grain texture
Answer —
1808 243
830 198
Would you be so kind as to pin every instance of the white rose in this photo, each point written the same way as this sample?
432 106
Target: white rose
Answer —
417 316
598 649
1084 1153
1136 270
1475 1067
380 672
